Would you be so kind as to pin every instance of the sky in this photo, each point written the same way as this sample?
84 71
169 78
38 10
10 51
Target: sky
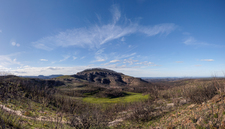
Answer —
141 38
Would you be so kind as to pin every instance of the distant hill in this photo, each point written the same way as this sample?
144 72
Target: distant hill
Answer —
106 77
43 77
161 79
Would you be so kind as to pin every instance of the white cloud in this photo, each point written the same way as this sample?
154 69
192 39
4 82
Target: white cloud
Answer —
114 61
157 29
34 71
100 60
43 60
122 39
192 41
99 56
6 60
116 13
147 63
65 58
74 58
42 46
118 58
0 31
96 35
179 62
125 55
15 44
198 65
209 60
129 61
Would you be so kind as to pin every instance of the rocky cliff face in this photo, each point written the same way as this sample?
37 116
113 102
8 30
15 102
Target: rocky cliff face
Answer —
109 77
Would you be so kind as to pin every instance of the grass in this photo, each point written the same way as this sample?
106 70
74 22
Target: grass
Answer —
131 97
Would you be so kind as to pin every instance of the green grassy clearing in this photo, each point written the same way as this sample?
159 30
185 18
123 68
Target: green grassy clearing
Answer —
132 97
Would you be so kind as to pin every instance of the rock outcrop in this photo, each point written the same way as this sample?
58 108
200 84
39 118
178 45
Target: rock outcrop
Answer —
109 77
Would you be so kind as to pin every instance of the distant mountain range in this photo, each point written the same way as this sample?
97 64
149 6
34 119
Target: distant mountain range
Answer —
43 77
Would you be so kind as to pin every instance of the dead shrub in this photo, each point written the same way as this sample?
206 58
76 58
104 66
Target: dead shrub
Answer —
143 111
201 93
2 123
92 118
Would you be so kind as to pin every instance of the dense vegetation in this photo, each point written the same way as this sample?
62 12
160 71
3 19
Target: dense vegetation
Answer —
36 103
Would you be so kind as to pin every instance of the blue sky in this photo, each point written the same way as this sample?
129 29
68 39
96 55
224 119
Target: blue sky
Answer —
141 38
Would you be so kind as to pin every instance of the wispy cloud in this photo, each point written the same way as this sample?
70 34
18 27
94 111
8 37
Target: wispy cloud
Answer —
43 60
157 29
7 60
74 58
116 13
198 65
82 57
100 59
192 41
48 70
15 44
0 31
129 61
179 62
96 35
209 60
147 63
122 39
114 61
125 55
41 45
99 56
65 58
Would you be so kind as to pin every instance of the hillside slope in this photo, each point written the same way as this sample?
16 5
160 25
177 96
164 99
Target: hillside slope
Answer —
109 77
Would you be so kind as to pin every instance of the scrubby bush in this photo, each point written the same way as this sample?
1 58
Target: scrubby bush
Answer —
143 111
2 124
201 93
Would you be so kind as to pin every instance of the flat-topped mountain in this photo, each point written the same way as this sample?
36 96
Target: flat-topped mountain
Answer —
109 77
